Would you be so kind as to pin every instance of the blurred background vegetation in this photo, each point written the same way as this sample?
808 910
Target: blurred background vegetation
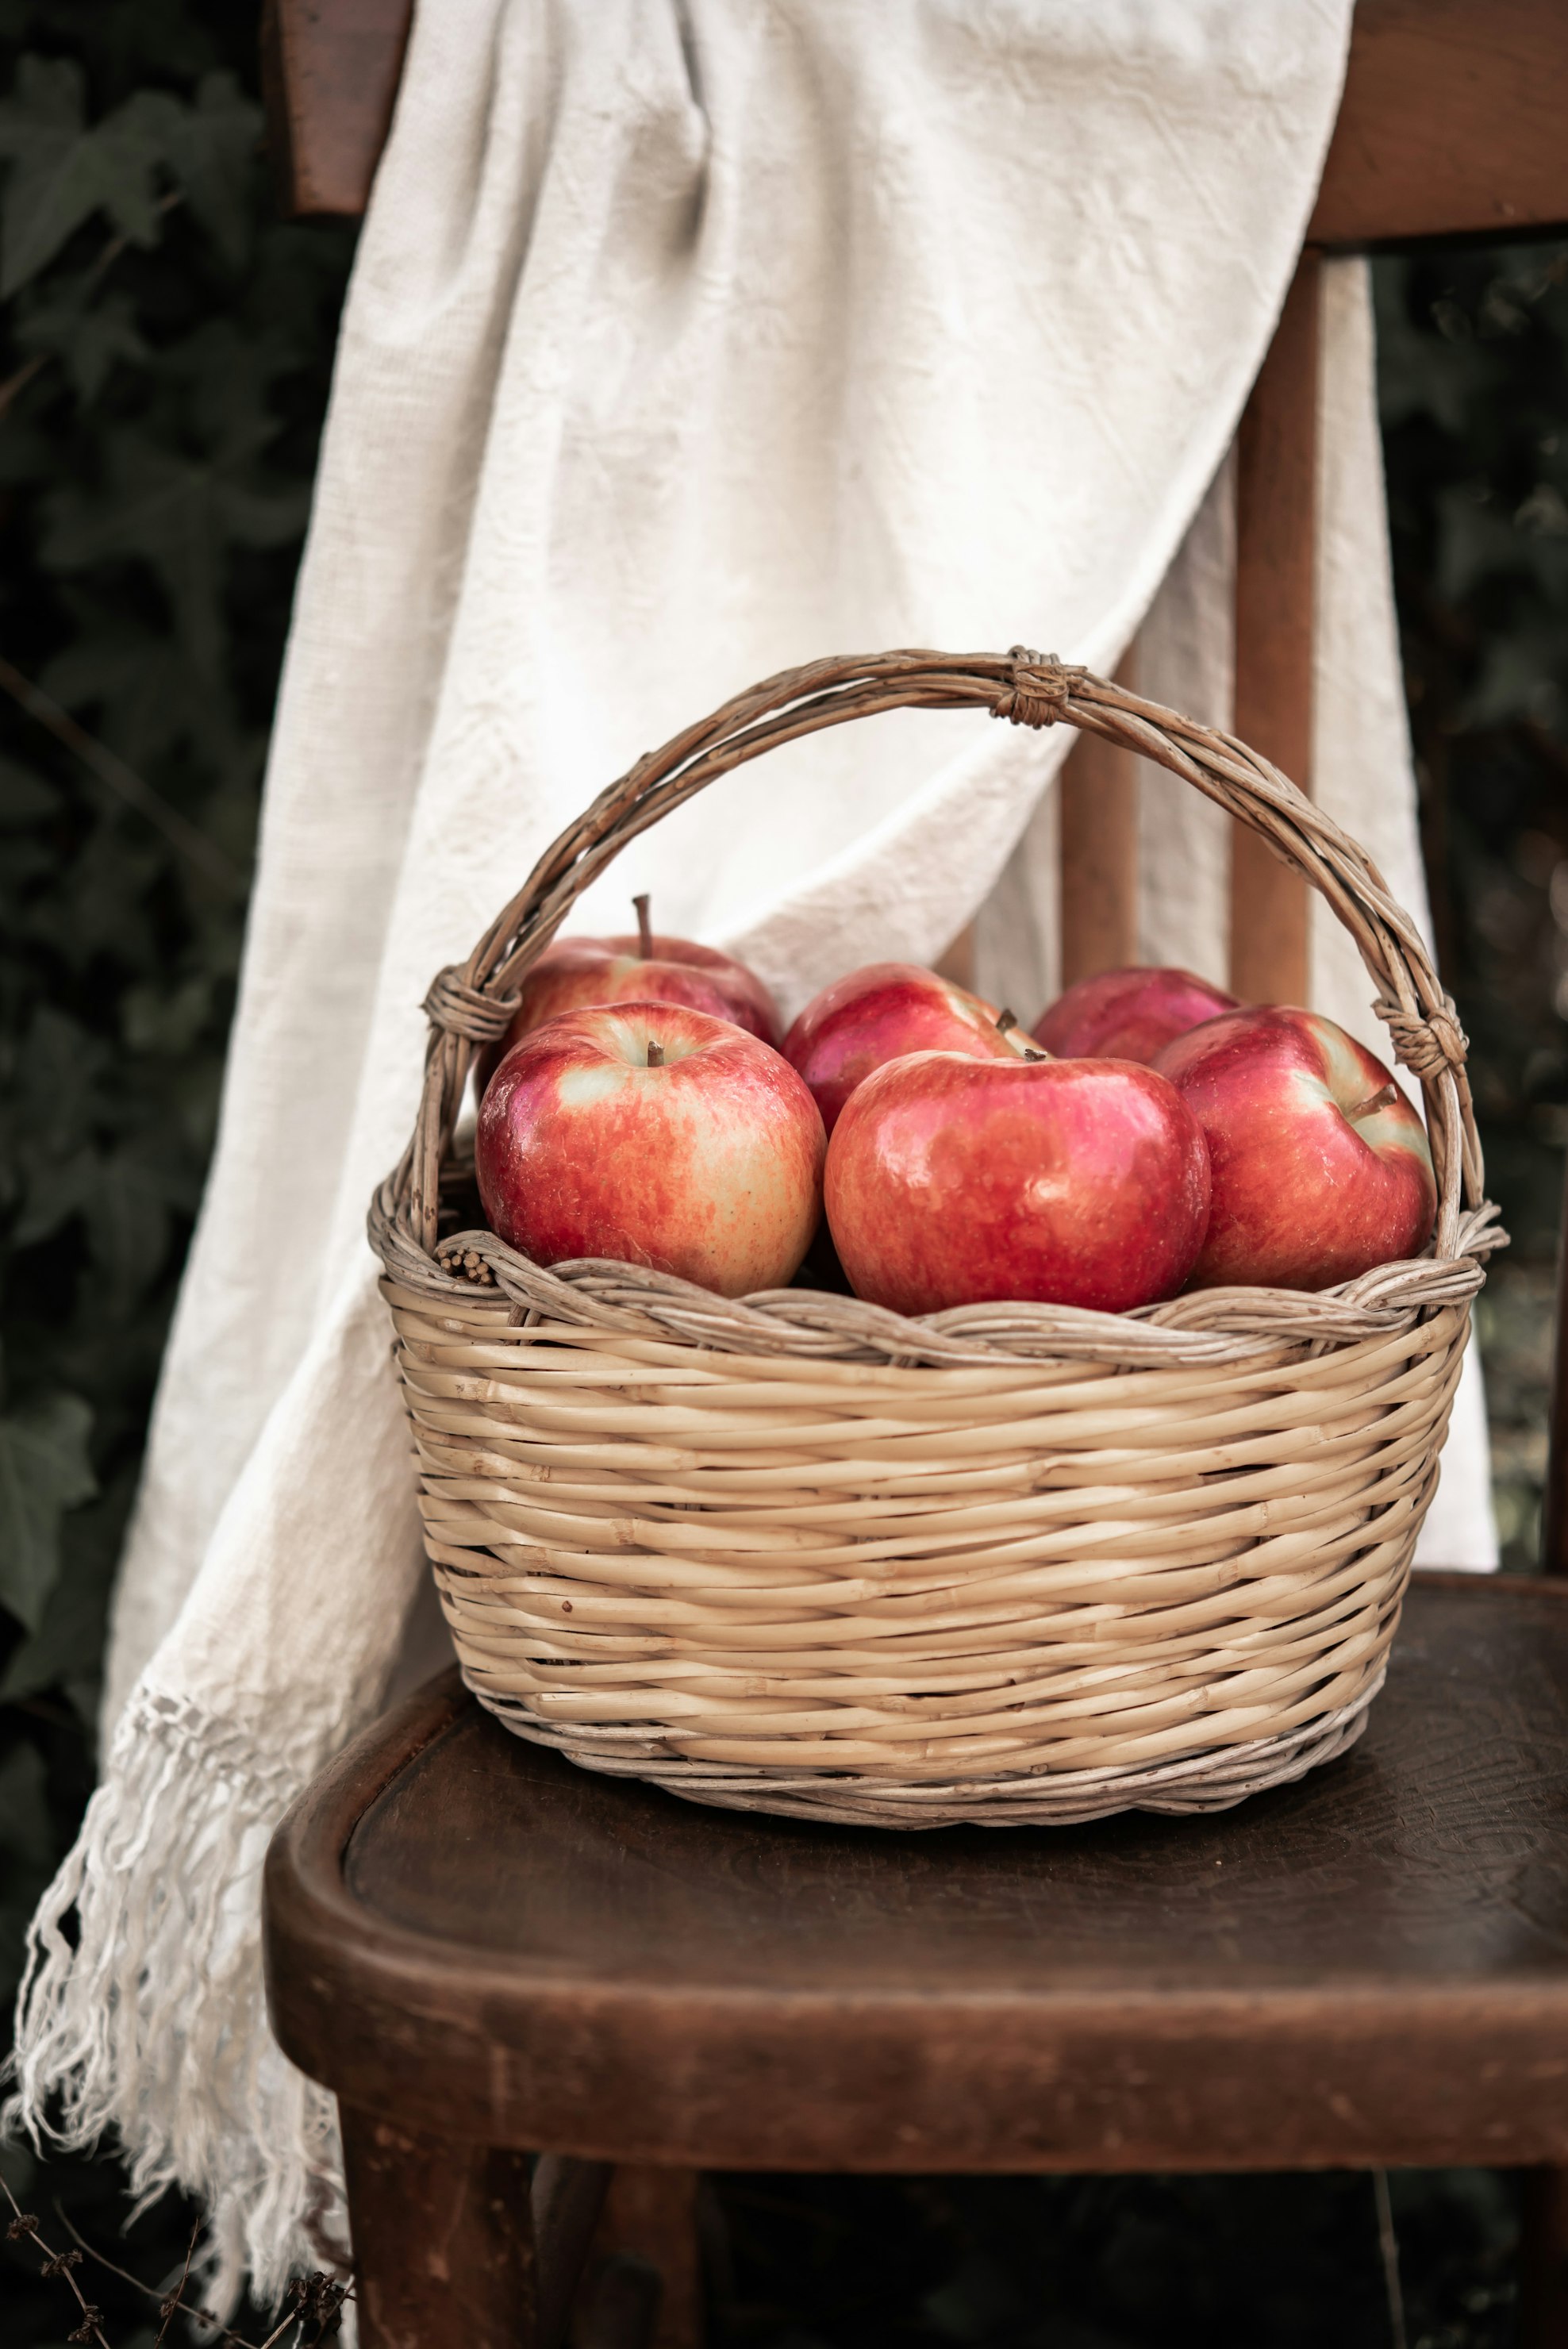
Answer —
1473 369
166 349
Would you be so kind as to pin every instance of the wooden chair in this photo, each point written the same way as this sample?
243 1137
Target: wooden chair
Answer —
484 1951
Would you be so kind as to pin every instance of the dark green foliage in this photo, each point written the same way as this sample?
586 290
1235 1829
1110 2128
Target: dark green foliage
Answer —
1473 369
167 344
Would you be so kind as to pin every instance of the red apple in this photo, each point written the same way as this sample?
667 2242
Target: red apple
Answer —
1321 1167
657 1135
1127 1015
953 1180
572 973
878 1014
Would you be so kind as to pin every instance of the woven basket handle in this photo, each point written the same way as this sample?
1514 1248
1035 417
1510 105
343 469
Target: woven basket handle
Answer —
471 1004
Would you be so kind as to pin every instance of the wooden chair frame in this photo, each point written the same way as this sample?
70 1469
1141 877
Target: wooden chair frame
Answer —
1450 125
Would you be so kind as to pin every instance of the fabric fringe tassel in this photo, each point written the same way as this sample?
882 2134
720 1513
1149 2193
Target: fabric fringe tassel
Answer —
154 2026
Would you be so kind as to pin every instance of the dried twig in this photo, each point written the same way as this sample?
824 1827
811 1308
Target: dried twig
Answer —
176 2300
138 2283
24 2227
310 2299
316 2299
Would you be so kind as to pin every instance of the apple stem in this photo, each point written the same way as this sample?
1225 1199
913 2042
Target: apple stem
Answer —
1383 1098
1007 1025
644 928
655 1052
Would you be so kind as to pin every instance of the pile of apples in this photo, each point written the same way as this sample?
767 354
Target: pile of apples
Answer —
1151 1134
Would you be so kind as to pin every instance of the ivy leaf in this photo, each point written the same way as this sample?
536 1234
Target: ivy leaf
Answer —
226 375
129 1203
1515 671
51 1102
166 1021
57 1190
44 1471
1478 542
62 171
65 1649
127 1196
98 904
85 338
176 512
159 505
141 685
211 148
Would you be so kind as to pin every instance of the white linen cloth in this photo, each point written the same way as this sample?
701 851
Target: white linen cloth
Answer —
684 343
1363 774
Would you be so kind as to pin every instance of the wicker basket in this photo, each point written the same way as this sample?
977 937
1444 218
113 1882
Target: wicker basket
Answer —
1006 1563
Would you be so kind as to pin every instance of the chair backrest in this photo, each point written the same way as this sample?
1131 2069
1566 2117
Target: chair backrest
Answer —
1450 125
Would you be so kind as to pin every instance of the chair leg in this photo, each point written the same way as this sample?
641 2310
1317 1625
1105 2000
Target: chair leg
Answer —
650 2216
443 2239
620 2308
566 2200
1543 2261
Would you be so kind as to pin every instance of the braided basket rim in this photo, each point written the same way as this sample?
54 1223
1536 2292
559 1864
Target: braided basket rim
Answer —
470 1004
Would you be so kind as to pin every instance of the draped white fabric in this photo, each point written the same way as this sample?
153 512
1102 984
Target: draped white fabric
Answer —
684 343
1362 773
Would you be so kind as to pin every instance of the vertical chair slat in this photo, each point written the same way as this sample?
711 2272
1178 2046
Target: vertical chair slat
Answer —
330 70
1099 852
1276 486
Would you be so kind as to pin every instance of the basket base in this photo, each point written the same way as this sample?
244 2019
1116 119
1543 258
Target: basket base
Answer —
1216 1781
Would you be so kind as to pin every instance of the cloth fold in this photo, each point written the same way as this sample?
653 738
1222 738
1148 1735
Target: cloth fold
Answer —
683 344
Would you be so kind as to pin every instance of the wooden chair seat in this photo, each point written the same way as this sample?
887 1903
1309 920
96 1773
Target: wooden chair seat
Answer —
483 1944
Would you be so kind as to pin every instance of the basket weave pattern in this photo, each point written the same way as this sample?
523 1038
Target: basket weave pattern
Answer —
1006 1563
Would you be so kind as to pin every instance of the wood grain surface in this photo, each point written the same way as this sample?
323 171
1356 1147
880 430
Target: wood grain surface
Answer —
566 2202
651 2217
1276 513
1100 851
1369 1967
1450 122
330 70
443 2244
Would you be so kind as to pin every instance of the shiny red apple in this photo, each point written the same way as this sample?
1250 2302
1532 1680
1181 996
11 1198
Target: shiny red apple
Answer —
572 973
1321 1166
954 1180
1127 1015
878 1014
657 1135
